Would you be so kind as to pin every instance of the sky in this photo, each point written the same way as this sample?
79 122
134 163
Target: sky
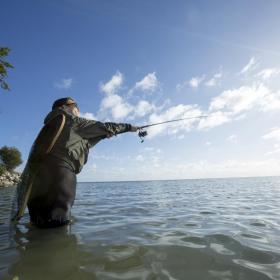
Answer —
142 62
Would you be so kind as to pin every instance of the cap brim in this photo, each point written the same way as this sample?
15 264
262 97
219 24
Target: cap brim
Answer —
70 102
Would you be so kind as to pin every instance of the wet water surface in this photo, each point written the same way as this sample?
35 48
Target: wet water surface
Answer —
189 229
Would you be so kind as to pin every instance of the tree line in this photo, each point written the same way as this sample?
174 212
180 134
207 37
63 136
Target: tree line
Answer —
10 158
4 66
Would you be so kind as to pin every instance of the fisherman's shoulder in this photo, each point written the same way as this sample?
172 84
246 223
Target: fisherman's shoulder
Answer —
54 113
83 121
69 117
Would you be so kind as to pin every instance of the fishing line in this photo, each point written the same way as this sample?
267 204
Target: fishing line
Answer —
143 133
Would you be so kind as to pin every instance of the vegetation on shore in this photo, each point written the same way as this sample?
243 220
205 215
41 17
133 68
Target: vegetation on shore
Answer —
4 65
10 158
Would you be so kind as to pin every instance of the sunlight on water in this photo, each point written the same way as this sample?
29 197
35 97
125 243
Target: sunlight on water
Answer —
189 229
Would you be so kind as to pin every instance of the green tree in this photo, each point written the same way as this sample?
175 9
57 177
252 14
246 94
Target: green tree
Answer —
4 65
10 157
2 168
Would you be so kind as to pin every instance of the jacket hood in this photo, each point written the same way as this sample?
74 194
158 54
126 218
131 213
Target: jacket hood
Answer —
53 114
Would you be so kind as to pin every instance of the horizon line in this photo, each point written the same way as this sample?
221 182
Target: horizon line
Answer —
152 180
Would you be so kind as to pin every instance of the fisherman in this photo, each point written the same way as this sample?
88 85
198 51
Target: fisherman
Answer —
59 153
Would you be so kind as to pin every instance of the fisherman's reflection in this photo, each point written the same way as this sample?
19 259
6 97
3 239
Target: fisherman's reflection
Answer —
49 254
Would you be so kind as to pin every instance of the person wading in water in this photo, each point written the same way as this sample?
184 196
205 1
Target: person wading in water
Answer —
48 185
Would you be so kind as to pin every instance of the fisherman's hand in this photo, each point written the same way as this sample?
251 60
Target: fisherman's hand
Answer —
134 128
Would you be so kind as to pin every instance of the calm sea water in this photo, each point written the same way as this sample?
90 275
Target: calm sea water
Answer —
189 229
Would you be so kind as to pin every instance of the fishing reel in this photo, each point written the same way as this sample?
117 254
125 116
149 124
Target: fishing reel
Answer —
142 133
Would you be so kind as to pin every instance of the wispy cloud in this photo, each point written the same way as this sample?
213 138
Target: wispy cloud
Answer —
274 134
196 81
251 65
116 106
119 107
113 103
269 73
234 104
148 84
143 108
230 105
88 115
113 84
215 119
214 80
242 99
174 112
64 84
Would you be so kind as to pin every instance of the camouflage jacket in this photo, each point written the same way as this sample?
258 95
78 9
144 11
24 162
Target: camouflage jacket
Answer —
78 136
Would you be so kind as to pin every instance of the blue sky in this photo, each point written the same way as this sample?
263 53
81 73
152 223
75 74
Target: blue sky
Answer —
148 61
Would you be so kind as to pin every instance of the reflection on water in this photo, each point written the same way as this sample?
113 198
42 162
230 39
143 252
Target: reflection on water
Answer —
193 229
47 254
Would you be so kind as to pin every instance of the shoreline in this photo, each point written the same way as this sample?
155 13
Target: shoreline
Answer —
9 179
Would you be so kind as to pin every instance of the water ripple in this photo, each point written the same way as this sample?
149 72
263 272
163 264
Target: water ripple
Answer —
193 229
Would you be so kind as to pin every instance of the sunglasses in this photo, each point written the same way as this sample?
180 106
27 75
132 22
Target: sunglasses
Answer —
74 104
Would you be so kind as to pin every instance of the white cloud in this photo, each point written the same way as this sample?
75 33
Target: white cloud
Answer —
114 105
64 84
214 80
113 85
215 119
234 104
143 108
268 73
245 98
117 107
211 83
274 134
149 83
252 64
230 105
208 144
87 115
175 112
232 138
195 81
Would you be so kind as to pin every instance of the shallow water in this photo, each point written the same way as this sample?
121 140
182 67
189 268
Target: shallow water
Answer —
188 229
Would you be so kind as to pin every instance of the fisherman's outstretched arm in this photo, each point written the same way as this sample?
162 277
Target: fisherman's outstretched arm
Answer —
90 128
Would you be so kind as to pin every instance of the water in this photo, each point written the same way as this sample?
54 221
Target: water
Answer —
189 229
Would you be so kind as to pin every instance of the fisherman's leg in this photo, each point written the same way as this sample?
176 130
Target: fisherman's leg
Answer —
64 185
53 195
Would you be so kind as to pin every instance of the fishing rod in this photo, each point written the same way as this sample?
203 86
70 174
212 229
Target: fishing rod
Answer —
142 133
